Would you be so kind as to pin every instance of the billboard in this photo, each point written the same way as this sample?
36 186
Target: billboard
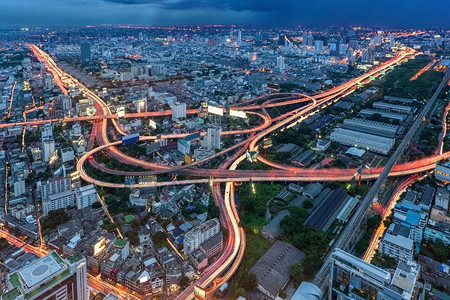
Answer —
131 138
215 110
99 246
152 124
199 292
238 114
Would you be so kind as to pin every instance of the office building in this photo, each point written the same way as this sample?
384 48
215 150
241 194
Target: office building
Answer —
85 52
50 277
19 187
281 65
85 196
318 46
67 154
54 185
48 148
368 56
57 201
212 139
362 140
66 103
442 172
195 237
353 278
178 111
46 131
184 146
49 82
397 246
441 200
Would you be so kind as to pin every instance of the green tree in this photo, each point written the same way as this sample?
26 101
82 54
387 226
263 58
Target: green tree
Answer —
249 281
296 272
184 282
307 204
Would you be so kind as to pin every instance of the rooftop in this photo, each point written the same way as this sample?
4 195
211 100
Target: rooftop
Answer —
362 266
272 269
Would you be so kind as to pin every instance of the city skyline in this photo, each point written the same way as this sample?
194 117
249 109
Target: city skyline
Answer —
398 14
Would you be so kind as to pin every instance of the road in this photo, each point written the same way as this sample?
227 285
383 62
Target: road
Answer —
231 255
355 222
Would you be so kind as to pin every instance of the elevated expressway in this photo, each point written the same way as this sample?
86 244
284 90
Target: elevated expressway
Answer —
230 259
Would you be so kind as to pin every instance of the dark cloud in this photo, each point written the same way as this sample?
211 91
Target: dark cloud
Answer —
380 13
235 5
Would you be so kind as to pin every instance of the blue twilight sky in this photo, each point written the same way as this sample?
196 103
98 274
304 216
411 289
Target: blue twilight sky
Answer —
378 13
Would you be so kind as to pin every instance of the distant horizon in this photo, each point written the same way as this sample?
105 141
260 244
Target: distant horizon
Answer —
401 14
235 25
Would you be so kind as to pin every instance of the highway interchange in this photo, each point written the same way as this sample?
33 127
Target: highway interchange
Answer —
228 262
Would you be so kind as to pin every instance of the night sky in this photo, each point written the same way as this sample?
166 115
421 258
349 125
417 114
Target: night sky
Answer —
378 13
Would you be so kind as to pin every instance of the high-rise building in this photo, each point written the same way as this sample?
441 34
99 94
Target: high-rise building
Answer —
184 146
46 131
49 83
258 40
141 36
334 48
368 56
55 185
353 278
239 37
318 46
57 201
19 187
178 110
66 103
281 65
212 138
195 237
391 38
85 52
85 196
50 277
142 105
48 147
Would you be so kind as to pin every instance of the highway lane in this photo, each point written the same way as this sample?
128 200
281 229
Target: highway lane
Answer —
326 97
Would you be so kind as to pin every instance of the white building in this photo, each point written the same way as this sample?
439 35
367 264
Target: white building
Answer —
48 148
19 187
281 65
350 276
184 146
46 131
362 140
67 154
178 110
212 139
195 237
66 103
57 201
141 105
136 199
397 246
318 46
55 185
85 196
